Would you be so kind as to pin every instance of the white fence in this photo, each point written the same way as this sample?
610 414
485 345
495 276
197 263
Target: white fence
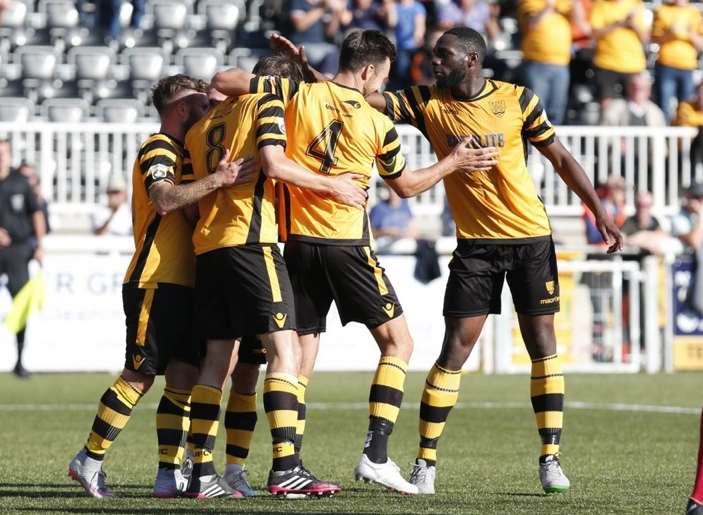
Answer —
76 160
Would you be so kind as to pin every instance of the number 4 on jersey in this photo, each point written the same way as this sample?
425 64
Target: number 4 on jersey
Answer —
324 145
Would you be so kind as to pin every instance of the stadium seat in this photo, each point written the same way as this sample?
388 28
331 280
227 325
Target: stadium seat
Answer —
222 17
145 63
246 58
39 71
93 70
146 66
63 23
92 63
13 25
119 110
65 110
38 62
201 63
16 109
171 23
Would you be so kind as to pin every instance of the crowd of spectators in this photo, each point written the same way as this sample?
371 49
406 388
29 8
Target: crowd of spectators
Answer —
605 44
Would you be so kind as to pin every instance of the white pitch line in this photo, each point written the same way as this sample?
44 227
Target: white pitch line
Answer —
351 406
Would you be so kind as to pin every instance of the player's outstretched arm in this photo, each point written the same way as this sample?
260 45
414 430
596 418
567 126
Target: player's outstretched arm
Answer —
465 157
342 188
377 101
576 179
168 197
232 82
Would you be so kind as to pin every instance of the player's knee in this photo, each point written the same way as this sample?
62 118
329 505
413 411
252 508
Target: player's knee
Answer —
181 375
538 333
219 359
244 378
137 380
281 352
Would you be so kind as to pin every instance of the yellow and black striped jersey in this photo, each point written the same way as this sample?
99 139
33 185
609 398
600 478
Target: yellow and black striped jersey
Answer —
163 250
496 204
331 130
243 213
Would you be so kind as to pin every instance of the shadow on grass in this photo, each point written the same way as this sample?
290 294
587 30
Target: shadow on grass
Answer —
58 494
67 485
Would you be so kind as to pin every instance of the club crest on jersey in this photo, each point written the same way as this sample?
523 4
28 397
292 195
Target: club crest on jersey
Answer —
498 107
159 171
549 286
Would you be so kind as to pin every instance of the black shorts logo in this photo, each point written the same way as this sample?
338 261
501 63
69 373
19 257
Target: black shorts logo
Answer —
389 308
137 361
549 286
280 319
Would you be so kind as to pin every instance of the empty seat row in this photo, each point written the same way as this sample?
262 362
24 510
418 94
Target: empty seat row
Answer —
101 63
164 22
72 110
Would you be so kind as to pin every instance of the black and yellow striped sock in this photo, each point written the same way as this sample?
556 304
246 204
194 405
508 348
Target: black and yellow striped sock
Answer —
547 394
204 420
300 426
172 423
281 406
438 398
384 404
113 414
240 421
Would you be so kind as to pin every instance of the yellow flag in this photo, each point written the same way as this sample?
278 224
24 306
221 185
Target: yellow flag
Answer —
28 300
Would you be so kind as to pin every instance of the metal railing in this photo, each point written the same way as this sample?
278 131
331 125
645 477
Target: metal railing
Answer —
75 162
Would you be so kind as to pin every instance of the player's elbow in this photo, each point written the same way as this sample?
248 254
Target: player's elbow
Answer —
224 81
273 170
404 190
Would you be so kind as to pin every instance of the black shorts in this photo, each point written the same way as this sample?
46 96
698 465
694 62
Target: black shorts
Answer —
611 84
242 290
351 276
14 261
159 327
251 351
477 270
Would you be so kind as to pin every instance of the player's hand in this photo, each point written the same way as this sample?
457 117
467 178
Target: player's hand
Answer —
468 156
610 233
282 44
346 190
5 238
230 172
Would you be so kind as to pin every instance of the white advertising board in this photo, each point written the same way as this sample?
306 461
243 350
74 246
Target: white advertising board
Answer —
82 325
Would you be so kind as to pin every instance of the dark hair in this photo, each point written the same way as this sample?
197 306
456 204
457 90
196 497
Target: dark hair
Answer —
279 65
361 48
470 39
168 87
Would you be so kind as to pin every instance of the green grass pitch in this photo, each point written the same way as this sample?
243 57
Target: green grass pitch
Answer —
620 456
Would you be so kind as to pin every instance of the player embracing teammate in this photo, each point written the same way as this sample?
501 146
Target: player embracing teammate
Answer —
302 137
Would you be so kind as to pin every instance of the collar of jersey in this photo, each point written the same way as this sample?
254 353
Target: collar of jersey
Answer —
488 88
347 87
176 141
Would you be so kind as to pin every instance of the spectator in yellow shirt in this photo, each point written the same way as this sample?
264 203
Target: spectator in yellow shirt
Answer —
545 26
690 114
678 29
620 33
